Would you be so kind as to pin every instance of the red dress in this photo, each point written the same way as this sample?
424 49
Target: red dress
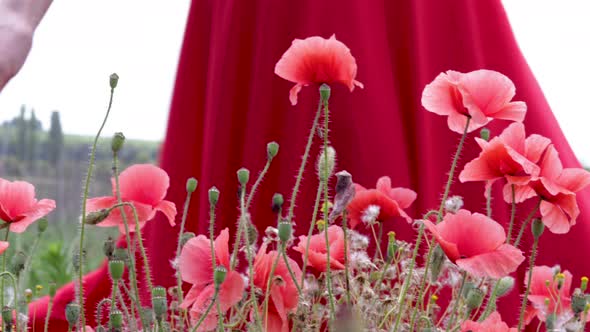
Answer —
228 104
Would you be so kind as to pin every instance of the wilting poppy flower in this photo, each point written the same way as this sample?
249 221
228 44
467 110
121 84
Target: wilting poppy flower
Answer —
195 264
283 292
509 155
317 60
544 285
493 323
317 256
19 207
556 186
476 244
384 202
482 95
145 186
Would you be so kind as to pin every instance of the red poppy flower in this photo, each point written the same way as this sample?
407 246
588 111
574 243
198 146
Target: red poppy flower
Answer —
544 285
196 268
476 244
145 186
283 292
509 156
482 95
493 323
317 256
19 207
557 187
384 202
317 60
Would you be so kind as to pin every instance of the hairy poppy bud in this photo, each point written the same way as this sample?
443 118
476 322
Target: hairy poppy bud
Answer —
113 80
326 163
243 176
578 301
191 185
325 92
160 306
251 234
185 237
285 231
219 275
117 142
504 286
116 319
42 225
436 264
277 202
72 313
116 269
537 228
474 298
96 217
213 196
18 262
272 149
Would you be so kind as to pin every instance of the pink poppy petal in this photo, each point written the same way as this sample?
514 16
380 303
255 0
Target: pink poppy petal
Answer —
191 296
574 179
3 246
222 248
115 218
195 261
231 290
514 136
449 248
521 193
535 145
403 196
495 264
144 183
169 209
486 90
514 111
37 211
551 166
457 122
16 198
438 98
293 93
200 306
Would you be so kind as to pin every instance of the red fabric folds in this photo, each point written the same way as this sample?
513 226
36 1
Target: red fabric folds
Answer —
228 104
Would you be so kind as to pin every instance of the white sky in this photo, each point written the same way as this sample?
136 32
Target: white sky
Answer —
79 43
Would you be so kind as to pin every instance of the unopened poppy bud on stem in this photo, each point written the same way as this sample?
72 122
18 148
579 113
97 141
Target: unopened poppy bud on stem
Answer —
325 92
42 225
116 269
325 166
116 319
277 202
113 80
191 185
159 291
272 149
285 231
537 228
505 285
185 237
117 142
213 196
243 176
96 217
72 313
474 298
219 275
252 234
484 133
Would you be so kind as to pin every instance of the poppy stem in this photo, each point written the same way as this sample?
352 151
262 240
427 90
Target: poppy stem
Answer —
512 215
310 232
293 277
269 282
526 221
4 270
528 287
49 308
346 268
257 183
457 301
213 260
452 171
491 303
83 223
14 285
206 313
489 203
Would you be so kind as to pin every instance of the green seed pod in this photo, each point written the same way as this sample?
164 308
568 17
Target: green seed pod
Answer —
219 275
272 149
213 196
504 286
121 254
116 269
117 142
113 80
285 231
191 185
484 133
72 313
537 228
185 237
474 298
325 92
243 176
159 291
95 217
42 225
116 319
160 307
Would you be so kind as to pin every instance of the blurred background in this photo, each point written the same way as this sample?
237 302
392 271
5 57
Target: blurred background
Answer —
52 108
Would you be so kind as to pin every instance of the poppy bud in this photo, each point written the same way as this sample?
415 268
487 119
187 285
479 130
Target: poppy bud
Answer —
272 149
584 283
113 80
7 315
326 163
116 269
325 92
213 196
117 142
436 264
116 319
219 275
108 247
159 291
251 234
28 295
537 228
160 307
72 313
191 185
96 217
484 133
42 225
185 237
285 231
504 286
578 301
474 298
277 202
243 176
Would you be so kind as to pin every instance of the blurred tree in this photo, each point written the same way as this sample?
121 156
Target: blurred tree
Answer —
21 139
55 143
33 128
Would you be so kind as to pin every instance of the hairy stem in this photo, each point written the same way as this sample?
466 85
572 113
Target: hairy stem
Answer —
528 287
